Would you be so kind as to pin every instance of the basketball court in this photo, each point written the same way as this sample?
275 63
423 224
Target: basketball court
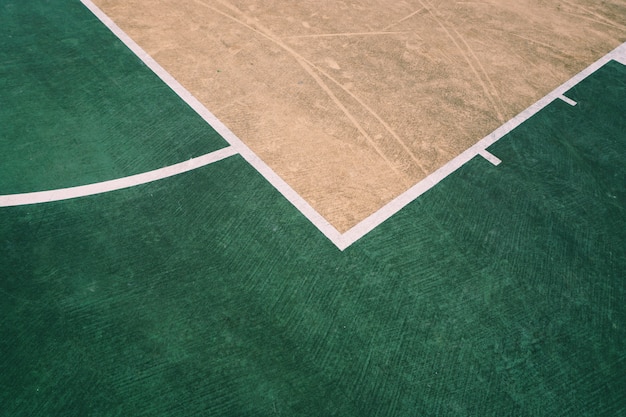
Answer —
342 208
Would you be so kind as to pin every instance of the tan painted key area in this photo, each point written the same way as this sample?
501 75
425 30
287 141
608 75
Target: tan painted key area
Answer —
353 102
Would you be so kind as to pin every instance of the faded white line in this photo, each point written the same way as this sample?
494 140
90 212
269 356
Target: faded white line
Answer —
568 100
116 184
490 157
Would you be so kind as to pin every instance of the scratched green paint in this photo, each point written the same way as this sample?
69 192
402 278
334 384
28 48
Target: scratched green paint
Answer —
77 106
499 292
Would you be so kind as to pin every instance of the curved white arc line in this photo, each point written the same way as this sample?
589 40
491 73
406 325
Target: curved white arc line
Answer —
116 184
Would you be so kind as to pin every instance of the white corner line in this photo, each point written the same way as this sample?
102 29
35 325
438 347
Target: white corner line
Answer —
480 148
490 157
568 100
116 184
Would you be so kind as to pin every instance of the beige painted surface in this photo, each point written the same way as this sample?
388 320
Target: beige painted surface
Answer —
353 102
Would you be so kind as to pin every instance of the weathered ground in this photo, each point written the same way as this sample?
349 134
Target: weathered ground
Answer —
354 102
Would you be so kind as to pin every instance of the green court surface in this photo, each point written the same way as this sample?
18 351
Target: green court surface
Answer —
71 91
500 292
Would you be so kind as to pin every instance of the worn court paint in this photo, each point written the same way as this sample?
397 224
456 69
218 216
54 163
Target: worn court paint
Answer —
490 157
207 293
350 121
344 240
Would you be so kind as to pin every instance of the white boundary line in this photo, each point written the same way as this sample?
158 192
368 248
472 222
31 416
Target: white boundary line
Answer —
116 184
367 225
342 241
